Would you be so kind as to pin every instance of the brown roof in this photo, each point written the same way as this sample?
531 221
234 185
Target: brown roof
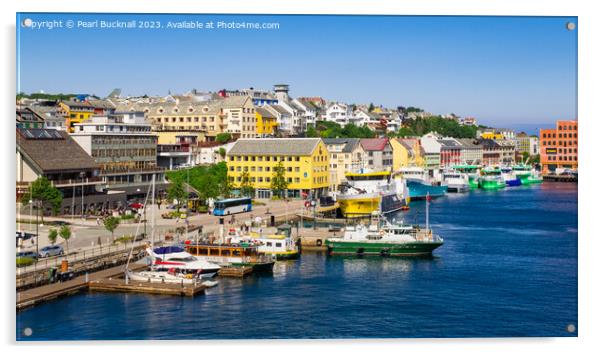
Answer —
375 144
53 150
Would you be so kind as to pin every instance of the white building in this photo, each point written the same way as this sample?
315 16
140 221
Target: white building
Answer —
339 113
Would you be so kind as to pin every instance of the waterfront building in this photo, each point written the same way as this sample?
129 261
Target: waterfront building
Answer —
346 155
498 152
267 122
558 147
527 144
432 153
305 162
407 153
125 148
450 152
471 152
55 155
379 154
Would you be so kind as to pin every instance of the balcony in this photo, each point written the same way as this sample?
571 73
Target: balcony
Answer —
174 148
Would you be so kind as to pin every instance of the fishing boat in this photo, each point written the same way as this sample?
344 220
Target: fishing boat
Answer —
510 177
384 238
527 174
277 245
472 171
491 178
455 181
419 185
366 192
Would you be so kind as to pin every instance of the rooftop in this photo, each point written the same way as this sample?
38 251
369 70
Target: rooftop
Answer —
53 150
376 144
286 147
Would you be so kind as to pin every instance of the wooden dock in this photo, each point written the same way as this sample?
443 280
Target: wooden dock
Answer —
235 272
49 292
119 285
562 178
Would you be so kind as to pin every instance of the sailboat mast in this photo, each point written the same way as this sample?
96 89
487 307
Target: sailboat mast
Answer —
153 213
428 197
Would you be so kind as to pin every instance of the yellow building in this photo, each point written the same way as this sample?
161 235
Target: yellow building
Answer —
201 118
305 162
492 135
346 155
407 152
266 122
75 112
80 111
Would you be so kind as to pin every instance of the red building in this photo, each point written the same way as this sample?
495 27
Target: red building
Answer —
559 146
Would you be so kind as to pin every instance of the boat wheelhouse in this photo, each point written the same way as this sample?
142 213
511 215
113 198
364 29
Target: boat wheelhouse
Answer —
472 171
491 178
455 181
366 192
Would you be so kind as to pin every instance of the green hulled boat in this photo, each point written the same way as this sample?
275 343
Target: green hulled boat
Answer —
527 174
472 172
491 178
383 238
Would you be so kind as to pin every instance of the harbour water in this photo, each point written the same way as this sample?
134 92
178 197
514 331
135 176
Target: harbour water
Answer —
508 268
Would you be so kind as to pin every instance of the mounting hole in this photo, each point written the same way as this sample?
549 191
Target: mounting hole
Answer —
571 328
27 332
570 26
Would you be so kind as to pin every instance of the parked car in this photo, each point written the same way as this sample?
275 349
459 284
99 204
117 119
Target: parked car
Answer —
27 254
136 205
50 251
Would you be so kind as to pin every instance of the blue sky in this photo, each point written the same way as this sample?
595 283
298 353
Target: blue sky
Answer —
505 71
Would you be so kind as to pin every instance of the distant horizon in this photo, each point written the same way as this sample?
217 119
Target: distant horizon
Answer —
501 70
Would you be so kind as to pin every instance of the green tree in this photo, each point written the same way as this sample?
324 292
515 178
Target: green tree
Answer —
311 132
44 192
223 138
52 236
65 234
222 152
246 186
176 191
110 223
279 183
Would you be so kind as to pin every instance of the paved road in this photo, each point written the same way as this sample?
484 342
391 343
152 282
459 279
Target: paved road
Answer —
86 233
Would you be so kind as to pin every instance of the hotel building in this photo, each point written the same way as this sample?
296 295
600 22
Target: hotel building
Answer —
305 162
559 146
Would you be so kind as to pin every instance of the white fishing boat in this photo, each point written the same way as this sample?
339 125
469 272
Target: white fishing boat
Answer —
456 181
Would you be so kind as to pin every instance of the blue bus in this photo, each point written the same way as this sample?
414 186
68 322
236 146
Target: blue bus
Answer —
231 206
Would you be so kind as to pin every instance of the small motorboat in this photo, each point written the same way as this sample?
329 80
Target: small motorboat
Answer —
209 283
